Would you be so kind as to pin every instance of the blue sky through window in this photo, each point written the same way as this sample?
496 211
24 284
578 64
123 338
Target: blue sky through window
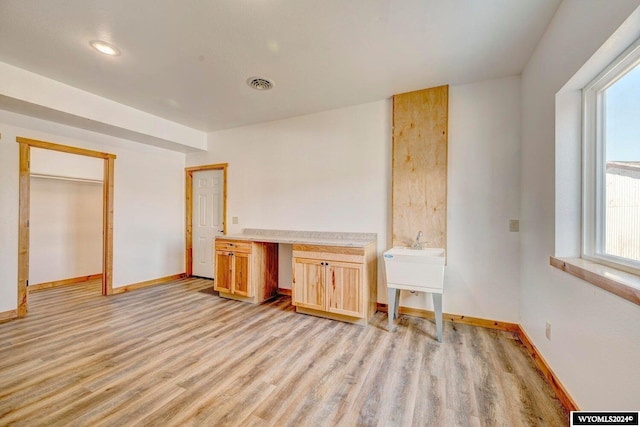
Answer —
622 103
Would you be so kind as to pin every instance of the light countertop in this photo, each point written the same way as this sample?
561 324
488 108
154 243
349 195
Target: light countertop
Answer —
304 237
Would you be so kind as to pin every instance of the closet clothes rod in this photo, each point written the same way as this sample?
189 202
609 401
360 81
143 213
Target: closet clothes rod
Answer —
65 178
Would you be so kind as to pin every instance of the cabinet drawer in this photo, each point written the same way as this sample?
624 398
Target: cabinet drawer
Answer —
233 245
330 253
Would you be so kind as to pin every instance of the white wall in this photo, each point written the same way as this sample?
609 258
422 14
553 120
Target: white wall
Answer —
331 171
8 223
57 163
65 229
148 203
595 339
326 172
482 275
49 99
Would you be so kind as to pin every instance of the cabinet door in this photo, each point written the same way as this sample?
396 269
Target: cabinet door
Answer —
343 288
308 279
242 275
223 272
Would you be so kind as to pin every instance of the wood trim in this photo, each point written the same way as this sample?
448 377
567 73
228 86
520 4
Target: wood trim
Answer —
188 191
64 148
23 229
63 282
552 379
107 227
189 208
207 167
6 316
608 283
456 318
24 211
147 283
284 291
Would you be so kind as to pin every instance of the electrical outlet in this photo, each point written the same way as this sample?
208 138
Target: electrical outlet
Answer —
547 330
234 220
514 225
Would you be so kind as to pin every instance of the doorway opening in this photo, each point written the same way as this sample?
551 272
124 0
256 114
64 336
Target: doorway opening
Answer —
65 220
24 214
204 194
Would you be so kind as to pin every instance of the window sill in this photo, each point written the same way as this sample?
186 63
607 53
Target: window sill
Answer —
621 283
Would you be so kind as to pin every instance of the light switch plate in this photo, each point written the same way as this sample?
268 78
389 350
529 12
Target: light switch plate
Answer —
514 225
234 220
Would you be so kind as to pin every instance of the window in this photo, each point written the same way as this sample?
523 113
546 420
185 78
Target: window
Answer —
611 164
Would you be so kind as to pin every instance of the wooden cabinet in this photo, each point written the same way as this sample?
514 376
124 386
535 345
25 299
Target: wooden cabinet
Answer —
307 289
224 272
335 282
246 271
343 287
233 273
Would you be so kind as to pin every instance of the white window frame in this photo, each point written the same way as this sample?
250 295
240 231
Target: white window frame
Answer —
593 154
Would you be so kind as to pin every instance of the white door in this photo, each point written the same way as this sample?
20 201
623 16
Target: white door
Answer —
208 220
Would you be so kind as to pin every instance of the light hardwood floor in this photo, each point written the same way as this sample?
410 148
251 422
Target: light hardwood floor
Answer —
171 355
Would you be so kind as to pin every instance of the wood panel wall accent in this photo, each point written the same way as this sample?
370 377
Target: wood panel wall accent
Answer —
419 177
23 213
552 379
63 282
147 283
188 181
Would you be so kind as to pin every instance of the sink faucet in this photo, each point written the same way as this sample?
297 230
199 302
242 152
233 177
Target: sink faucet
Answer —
417 244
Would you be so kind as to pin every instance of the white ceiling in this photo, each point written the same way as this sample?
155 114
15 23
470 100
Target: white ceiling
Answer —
188 60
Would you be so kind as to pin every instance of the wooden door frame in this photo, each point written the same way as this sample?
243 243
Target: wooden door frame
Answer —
189 208
24 212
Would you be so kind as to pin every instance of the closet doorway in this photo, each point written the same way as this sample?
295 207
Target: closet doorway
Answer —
25 213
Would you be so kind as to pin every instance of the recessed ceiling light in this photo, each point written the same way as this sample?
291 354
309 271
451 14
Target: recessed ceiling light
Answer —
259 83
104 47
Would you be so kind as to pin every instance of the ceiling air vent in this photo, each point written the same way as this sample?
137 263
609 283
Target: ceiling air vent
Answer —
259 83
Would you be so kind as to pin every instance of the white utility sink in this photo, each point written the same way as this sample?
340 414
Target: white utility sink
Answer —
418 270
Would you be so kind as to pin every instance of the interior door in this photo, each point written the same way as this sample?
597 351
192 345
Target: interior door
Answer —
208 199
